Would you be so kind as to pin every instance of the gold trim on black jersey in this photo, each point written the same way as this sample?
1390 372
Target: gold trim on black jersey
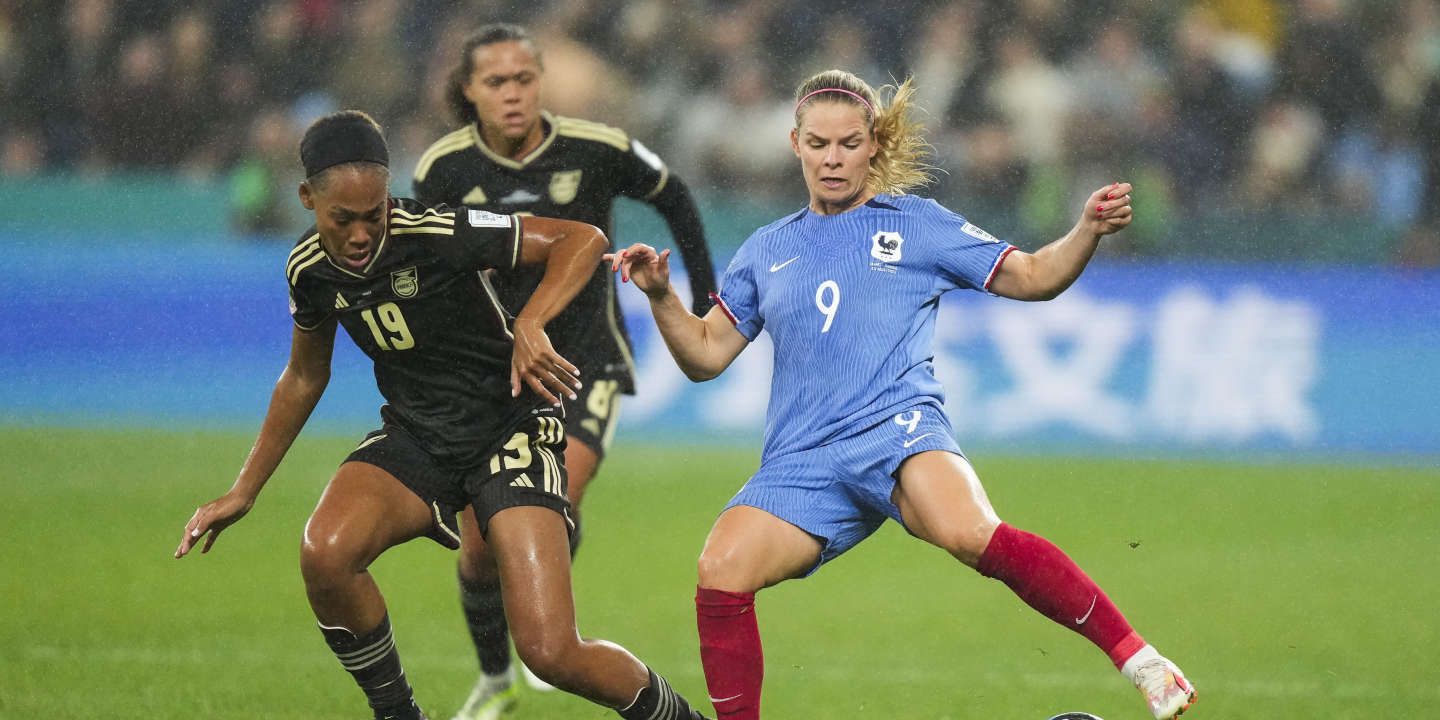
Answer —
590 130
664 178
555 125
449 143
430 222
307 253
495 305
515 243
545 117
431 215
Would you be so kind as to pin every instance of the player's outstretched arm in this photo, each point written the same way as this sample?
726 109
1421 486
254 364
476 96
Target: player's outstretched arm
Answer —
1052 269
570 252
296 393
702 347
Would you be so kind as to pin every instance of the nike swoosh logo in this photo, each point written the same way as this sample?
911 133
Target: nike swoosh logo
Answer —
714 699
1081 620
777 266
912 441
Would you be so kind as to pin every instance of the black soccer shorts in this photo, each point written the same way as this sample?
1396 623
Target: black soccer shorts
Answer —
525 468
590 420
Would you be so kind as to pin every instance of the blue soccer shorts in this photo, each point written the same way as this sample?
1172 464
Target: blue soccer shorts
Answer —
840 492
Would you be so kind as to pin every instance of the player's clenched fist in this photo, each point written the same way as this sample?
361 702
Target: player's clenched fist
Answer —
1108 210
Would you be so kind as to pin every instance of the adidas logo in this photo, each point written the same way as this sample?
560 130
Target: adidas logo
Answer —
340 302
519 196
522 480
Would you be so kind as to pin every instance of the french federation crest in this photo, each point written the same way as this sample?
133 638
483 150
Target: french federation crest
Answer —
405 283
564 185
885 246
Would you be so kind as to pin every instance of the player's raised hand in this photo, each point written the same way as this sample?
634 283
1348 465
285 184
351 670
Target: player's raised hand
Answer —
1108 209
211 519
536 363
640 262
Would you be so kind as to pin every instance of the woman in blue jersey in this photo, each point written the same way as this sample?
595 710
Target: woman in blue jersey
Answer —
855 433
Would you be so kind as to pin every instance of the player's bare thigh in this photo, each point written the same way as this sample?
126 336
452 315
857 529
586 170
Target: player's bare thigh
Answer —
943 503
476 563
363 511
749 549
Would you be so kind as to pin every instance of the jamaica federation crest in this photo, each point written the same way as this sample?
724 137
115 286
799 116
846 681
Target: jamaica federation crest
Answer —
405 283
564 185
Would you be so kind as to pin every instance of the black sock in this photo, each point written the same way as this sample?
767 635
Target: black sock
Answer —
485 615
658 702
375 664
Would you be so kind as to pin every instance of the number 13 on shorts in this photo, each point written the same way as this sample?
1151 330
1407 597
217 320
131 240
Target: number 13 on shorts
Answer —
531 456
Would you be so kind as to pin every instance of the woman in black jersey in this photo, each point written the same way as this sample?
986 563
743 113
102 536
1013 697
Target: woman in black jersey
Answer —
472 418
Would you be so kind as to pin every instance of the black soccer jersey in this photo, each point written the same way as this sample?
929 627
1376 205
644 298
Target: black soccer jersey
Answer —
440 341
575 173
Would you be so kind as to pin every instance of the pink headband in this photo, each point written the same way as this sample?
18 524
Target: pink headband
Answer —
855 95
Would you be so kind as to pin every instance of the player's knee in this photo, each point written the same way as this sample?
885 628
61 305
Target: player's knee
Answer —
965 542
720 571
320 565
326 557
549 655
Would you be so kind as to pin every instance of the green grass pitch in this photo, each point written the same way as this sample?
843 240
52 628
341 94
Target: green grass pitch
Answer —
1286 591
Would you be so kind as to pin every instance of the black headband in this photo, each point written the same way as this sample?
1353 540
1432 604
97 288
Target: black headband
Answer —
344 140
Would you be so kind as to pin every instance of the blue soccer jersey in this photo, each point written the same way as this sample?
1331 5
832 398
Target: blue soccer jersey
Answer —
850 301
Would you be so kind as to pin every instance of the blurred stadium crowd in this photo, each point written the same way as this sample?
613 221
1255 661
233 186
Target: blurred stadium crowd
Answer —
1216 108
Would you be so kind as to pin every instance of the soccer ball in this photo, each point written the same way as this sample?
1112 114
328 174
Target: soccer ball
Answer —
1076 716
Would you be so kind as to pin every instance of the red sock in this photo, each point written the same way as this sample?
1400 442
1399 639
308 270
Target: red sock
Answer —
730 652
1049 581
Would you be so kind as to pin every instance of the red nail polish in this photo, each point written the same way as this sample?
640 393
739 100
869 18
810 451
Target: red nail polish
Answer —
1099 209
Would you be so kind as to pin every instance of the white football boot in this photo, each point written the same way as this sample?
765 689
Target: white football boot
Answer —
533 680
492 697
1165 688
